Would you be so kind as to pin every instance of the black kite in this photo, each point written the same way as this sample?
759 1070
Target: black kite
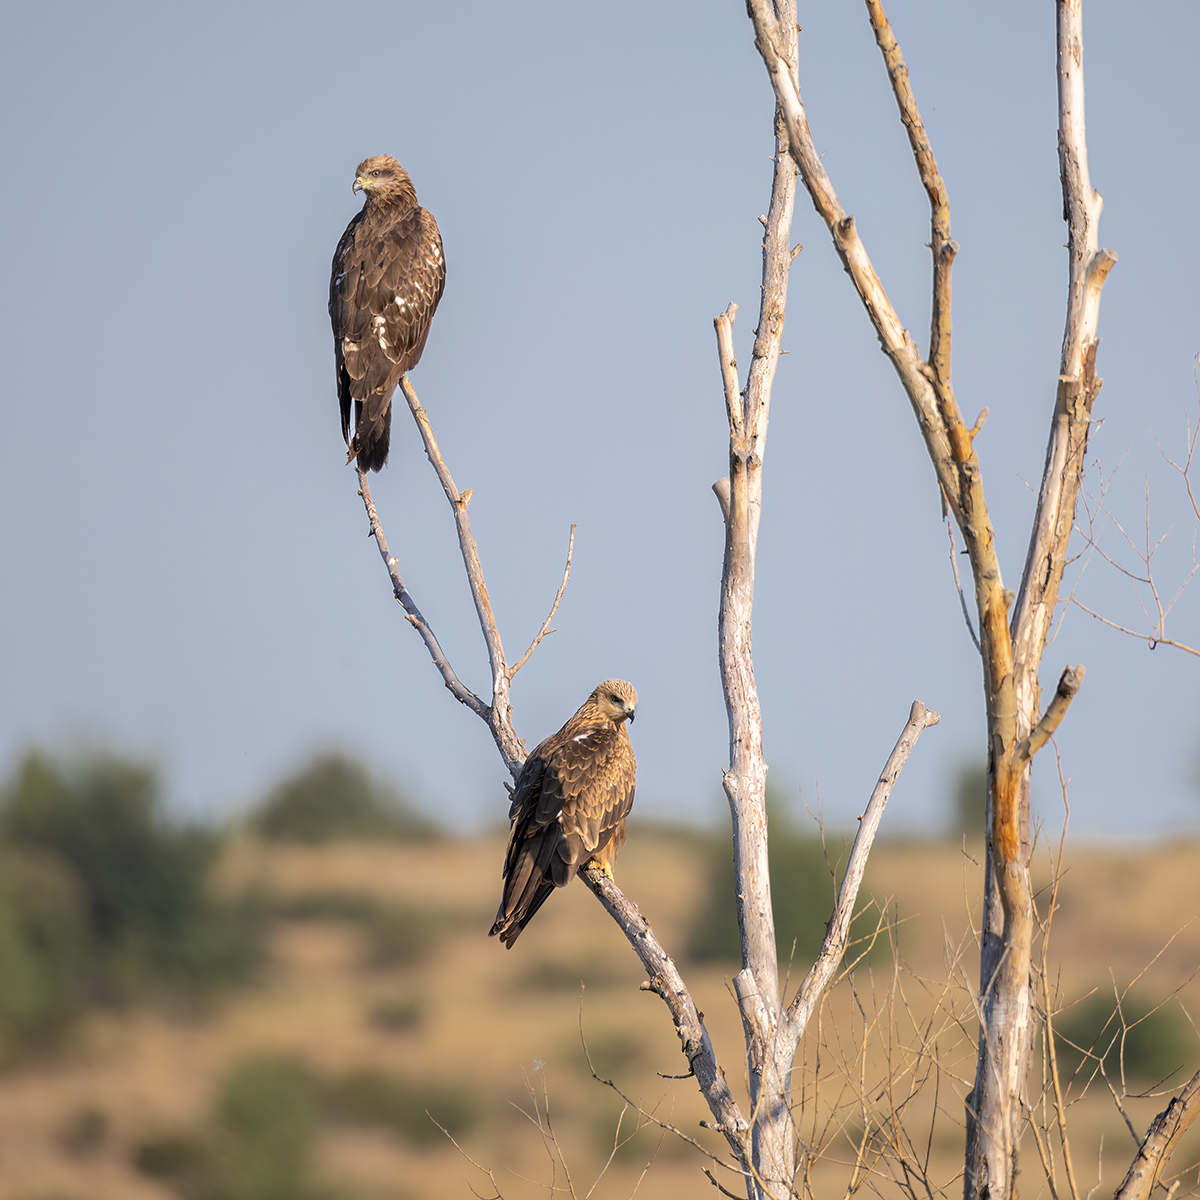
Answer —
388 275
570 804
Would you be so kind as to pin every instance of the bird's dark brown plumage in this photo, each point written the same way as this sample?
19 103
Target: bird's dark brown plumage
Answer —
570 804
388 275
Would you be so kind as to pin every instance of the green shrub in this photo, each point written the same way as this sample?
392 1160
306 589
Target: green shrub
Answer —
43 946
144 912
266 1122
402 935
181 1159
334 797
397 935
969 814
1152 1043
404 1106
260 1143
396 1014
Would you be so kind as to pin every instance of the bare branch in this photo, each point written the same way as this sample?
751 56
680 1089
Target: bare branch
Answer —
893 337
822 971
1078 383
1068 685
1162 1137
962 600
941 246
666 981
1151 639
545 629
723 323
721 491
769 1155
499 712
459 690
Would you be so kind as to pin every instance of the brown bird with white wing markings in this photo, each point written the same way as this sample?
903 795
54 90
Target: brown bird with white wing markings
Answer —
388 276
570 804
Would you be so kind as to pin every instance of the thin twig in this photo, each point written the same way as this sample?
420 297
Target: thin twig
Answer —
545 629
1151 639
1060 1110
962 600
723 1191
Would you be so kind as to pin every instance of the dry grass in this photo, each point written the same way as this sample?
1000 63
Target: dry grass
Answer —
499 1022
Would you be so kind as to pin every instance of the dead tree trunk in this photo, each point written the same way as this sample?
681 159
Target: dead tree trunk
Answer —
772 1156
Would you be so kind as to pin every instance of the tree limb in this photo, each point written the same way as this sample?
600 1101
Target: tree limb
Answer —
1068 685
822 971
941 246
665 980
1078 383
457 689
1161 1139
499 712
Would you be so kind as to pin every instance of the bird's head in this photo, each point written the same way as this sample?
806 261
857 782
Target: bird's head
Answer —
616 699
383 178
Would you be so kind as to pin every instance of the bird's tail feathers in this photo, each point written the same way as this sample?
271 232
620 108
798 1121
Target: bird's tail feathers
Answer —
370 446
525 891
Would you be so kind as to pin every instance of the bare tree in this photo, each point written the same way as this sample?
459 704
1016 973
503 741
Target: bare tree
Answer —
1013 627
1011 648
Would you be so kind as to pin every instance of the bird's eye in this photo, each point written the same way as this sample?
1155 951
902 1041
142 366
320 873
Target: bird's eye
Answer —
376 173
615 699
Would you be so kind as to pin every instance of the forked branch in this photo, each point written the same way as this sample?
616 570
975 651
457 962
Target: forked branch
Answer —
415 617
497 714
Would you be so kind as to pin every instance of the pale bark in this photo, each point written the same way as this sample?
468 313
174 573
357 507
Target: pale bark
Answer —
1163 1136
665 981
821 973
1011 654
772 1157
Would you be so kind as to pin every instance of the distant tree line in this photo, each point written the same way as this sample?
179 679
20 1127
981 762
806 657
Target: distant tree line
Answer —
105 898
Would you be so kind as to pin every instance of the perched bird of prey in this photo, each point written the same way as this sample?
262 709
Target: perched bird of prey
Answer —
388 276
570 804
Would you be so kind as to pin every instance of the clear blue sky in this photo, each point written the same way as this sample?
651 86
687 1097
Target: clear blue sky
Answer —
186 571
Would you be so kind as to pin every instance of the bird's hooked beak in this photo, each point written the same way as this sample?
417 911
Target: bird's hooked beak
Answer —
630 715
359 186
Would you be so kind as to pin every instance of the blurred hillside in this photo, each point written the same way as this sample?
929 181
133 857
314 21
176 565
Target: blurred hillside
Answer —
374 998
